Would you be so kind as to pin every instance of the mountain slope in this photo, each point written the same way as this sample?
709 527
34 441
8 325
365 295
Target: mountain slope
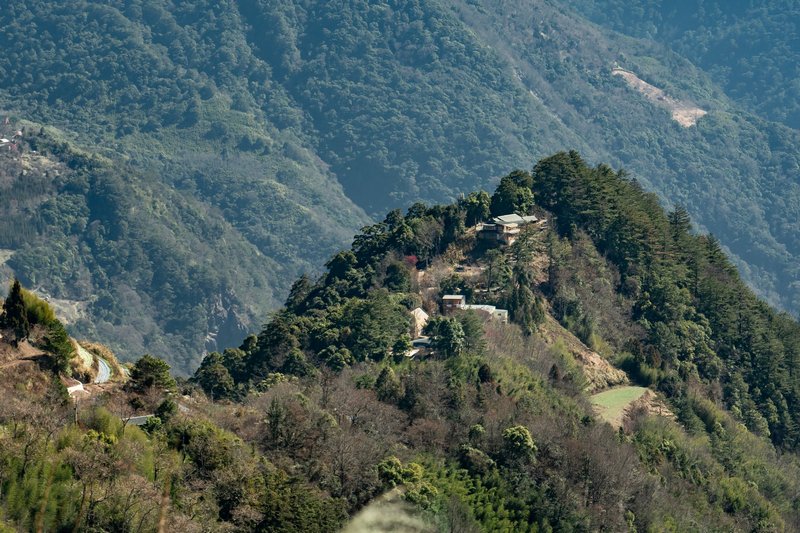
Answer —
486 426
750 49
734 172
291 122
188 182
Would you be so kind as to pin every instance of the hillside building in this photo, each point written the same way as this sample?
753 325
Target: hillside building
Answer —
451 302
419 319
495 313
505 229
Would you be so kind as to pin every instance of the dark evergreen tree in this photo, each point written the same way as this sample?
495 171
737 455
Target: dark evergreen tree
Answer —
150 373
512 197
214 378
15 317
477 207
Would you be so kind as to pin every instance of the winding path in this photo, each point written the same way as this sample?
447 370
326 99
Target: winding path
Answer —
103 371
103 368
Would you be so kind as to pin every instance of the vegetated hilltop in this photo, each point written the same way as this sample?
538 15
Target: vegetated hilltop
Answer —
286 122
478 425
487 426
735 173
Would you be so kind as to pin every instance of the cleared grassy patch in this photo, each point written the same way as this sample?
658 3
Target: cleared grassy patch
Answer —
611 404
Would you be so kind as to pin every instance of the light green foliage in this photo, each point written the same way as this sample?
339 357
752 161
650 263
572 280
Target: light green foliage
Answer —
388 386
99 478
417 490
38 310
518 445
613 403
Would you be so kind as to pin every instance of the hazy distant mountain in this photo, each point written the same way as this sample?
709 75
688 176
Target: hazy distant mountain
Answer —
751 49
252 138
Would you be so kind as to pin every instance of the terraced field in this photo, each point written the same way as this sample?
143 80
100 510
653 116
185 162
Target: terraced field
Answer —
611 404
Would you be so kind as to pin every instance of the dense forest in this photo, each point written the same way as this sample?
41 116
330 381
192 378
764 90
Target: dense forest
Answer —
749 48
273 130
329 411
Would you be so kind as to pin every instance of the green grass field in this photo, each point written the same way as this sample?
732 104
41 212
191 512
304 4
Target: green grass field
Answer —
611 404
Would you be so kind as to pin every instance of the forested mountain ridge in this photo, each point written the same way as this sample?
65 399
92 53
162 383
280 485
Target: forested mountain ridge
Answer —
479 425
138 259
749 48
269 115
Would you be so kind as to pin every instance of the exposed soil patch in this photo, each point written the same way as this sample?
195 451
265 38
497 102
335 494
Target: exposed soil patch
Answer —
599 373
684 113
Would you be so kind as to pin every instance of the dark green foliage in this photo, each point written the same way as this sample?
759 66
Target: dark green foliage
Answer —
296 364
375 324
214 378
477 206
336 358
754 75
22 310
235 152
56 342
398 277
525 307
447 336
456 432
150 373
698 317
275 342
485 374
498 270
754 166
513 195
15 316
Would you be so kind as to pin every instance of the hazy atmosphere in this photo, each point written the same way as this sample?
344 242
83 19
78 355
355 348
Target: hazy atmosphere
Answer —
424 265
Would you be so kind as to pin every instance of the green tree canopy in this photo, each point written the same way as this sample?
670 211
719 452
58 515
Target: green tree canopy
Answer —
150 373
513 195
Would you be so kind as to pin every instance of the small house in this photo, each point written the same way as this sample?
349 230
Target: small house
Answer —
494 313
505 228
451 302
421 342
419 347
419 319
